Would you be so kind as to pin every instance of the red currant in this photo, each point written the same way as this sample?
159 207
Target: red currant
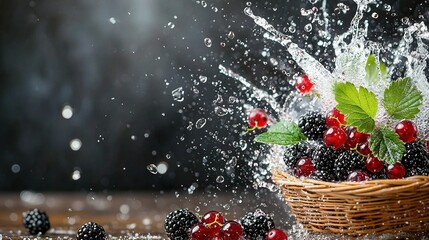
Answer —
406 130
303 84
334 118
354 137
358 176
396 171
335 137
213 220
373 164
276 234
304 167
258 118
232 230
199 232
364 149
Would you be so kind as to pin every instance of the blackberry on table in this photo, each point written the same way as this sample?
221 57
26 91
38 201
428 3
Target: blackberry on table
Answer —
416 159
347 162
256 225
312 125
295 152
178 223
91 231
36 221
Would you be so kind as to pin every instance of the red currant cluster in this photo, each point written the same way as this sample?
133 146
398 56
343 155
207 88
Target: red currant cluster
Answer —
213 226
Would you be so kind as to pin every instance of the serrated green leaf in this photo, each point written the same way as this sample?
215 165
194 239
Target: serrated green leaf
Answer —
402 99
372 70
360 106
282 133
386 145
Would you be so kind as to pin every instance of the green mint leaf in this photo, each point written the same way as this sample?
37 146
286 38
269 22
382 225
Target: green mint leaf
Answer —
386 145
282 133
359 105
372 70
402 99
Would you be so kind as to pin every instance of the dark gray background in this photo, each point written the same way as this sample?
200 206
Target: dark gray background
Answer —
56 53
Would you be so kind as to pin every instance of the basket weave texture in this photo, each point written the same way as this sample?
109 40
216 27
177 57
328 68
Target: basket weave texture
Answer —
353 208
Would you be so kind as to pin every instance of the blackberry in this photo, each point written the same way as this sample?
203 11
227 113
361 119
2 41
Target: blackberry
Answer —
324 158
416 159
347 162
295 152
378 175
91 231
312 125
327 176
36 221
178 223
256 225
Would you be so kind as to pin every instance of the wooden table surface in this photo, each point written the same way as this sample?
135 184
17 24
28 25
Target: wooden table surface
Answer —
131 215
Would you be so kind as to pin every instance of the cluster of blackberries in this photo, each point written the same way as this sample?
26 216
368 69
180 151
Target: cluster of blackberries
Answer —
37 222
183 224
333 152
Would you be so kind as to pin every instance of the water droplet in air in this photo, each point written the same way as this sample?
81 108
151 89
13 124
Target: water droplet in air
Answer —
203 3
220 111
308 27
231 35
152 168
171 25
220 179
112 20
208 42
75 144
248 4
67 112
133 137
200 123
374 15
178 94
76 175
203 79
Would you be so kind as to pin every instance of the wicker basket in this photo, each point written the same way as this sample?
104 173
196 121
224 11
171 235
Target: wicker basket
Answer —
351 208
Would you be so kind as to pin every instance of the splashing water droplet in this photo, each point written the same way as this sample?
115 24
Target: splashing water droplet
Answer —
203 79
308 27
76 175
152 168
75 144
67 112
171 25
178 94
220 179
231 35
208 42
203 3
374 15
200 123
220 111
112 20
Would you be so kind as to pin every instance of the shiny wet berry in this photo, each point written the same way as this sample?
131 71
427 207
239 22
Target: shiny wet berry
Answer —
396 171
374 165
179 222
354 137
416 159
358 176
36 221
199 232
363 149
276 234
256 225
293 153
335 137
213 220
347 162
91 231
334 118
406 130
303 84
258 118
231 230
304 167
312 125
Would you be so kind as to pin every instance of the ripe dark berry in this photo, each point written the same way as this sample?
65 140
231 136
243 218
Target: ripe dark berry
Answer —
335 137
256 225
347 162
427 145
91 231
36 222
178 223
213 219
396 171
374 165
276 234
295 152
416 159
354 137
258 118
312 125
232 230
358 176
334 118
363 149
406 130
323 159
303 84
304 167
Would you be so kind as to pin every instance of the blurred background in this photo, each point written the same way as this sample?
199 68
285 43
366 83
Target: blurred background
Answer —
127 95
